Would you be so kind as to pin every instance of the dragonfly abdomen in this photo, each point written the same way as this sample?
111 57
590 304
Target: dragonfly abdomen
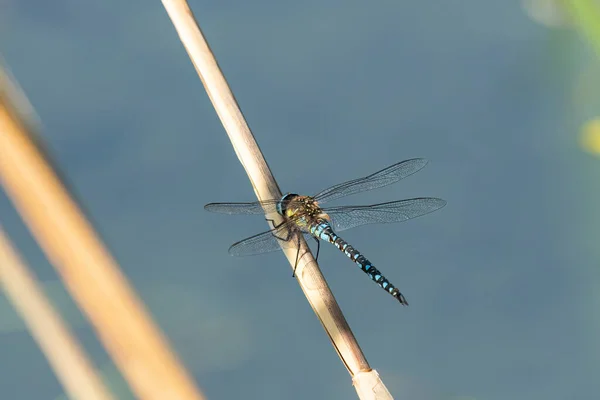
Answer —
324 231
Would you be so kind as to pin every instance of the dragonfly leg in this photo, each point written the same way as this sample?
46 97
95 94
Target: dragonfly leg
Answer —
277 226
297 256
273 223
290 233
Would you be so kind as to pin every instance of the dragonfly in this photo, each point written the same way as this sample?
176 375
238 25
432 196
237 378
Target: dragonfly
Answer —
303 216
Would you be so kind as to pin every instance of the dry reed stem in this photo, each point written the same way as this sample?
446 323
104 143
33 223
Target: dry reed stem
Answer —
67 358
92 277
309 276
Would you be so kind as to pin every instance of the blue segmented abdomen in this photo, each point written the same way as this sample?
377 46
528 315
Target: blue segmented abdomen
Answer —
324 232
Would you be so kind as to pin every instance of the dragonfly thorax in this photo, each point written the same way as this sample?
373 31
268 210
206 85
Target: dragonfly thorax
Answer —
302 209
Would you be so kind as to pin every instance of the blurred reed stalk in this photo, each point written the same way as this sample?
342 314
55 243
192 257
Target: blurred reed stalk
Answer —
92 277
313 284
67 358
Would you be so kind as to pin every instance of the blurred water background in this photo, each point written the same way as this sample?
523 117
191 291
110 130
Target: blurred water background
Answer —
503 282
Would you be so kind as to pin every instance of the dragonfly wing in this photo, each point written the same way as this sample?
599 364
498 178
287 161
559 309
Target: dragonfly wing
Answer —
347 217
257 207
266 242
386 176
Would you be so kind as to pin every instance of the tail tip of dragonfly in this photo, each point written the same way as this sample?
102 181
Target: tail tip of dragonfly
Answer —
402 299
396 293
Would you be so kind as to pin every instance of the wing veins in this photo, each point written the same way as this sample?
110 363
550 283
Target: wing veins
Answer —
347 217
381 178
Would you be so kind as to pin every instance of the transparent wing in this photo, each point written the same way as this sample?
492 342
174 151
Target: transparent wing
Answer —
347 217
257 207
386 176
267 241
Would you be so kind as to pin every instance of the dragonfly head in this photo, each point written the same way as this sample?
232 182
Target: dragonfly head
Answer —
300 208
284 202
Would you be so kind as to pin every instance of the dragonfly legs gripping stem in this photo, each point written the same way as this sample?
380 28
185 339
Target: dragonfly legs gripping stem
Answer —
297 244
298 254
287 240
318 248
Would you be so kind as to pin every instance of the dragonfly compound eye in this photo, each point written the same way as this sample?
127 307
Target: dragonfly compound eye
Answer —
282 205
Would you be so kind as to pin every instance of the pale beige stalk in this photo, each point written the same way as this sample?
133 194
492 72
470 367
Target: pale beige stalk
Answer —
68 359
309 276
90 274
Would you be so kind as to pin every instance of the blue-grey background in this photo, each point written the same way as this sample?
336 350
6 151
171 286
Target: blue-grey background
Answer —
503 282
